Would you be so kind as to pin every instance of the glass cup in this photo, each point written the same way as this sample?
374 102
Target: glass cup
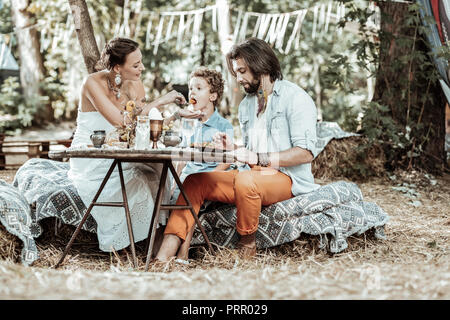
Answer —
142 134
188 129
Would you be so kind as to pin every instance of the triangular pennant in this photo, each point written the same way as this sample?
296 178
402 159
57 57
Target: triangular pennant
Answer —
322 16
148 33
282 32
315 10
196 29
327 20
297 38
243 31
295 30
180 31
272 33
265 20
169 28
258 23
158 35
238 25
137 10
125 28
137 31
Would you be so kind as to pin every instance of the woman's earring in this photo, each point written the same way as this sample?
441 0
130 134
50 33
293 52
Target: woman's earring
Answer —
118 79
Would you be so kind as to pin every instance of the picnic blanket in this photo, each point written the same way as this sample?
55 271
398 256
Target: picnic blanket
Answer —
336 210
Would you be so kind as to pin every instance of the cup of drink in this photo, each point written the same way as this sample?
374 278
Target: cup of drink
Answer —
142 134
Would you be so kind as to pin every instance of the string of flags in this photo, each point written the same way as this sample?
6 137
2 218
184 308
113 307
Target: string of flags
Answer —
272 27
167 25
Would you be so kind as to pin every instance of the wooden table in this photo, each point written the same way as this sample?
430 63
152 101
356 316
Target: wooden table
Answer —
165 156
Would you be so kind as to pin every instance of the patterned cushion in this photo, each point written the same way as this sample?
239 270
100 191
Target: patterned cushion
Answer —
15 215
336 209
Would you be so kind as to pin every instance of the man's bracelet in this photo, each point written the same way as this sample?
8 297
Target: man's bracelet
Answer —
263 159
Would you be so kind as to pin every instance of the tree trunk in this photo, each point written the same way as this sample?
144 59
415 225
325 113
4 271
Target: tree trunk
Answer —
85 34
233 95
31 65
402 90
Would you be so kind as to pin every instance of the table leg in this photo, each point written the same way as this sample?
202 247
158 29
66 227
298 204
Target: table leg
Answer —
127 213
83 220
155 215
188 202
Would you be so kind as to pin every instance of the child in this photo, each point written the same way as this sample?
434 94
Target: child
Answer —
205 91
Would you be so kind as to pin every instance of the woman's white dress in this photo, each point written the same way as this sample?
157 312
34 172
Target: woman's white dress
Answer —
141 181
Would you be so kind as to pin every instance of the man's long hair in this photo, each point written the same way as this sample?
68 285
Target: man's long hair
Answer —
258 56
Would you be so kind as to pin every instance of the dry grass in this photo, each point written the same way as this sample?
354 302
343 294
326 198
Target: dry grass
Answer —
413 263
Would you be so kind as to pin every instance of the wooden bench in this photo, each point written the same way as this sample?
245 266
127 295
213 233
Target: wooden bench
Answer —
29 149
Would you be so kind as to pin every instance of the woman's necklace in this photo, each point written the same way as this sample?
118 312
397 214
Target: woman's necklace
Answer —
114 89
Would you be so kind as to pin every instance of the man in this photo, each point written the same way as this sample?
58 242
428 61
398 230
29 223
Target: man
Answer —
278 123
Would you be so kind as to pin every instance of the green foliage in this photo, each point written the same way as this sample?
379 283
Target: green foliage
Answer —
5 17
15 112
395 120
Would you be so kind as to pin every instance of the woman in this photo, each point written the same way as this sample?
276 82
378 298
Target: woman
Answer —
103 96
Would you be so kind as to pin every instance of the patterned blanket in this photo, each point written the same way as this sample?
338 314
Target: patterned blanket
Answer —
337 209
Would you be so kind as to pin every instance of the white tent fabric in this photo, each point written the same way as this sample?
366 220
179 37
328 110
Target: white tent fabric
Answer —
7 61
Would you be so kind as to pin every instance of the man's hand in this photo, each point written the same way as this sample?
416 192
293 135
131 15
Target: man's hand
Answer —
223 141
245 156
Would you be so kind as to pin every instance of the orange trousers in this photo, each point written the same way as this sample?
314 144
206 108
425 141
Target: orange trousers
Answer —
248 190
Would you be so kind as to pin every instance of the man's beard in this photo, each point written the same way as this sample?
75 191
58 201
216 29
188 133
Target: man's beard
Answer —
252 87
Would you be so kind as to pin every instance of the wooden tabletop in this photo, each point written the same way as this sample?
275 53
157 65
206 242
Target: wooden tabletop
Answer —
174 154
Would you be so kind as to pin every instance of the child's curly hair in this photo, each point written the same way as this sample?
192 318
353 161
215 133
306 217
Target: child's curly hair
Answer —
214 80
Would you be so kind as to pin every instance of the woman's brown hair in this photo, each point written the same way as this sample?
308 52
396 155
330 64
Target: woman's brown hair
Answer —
258 56
115 53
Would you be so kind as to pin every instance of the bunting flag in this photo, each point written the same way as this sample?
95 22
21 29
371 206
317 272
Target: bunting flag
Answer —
158 35
238 24
124 29
148 33
243 31
180 31
196 29
296 30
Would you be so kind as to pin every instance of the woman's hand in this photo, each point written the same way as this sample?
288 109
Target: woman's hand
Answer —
245 156
223 141
173 97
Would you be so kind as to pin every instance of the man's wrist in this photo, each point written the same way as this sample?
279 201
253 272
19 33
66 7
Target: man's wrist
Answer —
263 159
177 115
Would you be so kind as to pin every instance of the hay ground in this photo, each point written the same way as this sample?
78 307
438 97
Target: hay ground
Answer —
413 263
